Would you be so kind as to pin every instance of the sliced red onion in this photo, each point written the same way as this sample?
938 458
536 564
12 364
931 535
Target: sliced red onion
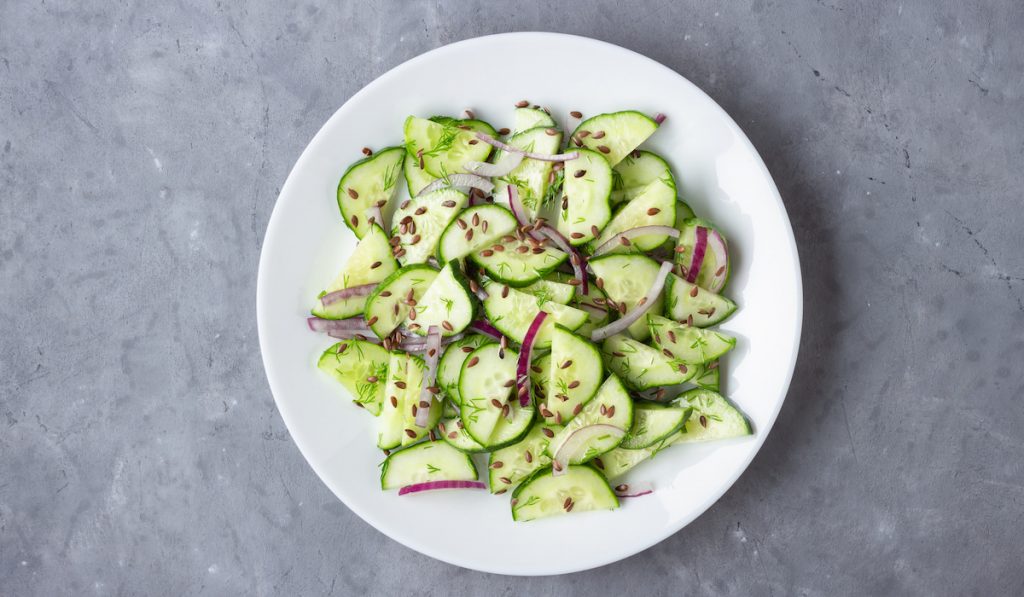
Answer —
659 118
577 440
506 164
482 327
431 485
459 180
620 325
352 324
721 250
544 157
431 357
344 293
699 247
374 215
481 293
632 233
354 335
634 489
526 357
418 344
519 211
575 259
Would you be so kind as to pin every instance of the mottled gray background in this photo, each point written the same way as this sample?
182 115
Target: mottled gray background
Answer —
142 149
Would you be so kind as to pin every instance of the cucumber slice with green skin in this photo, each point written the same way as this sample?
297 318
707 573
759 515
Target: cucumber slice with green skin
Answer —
576 374
485 387
449 410
477 126
386 306
391 424
712 274
653 423
654 206
627 279
713 417
415 178
513 311
615 134
525 119
476 228
447 303
508 466
531 177
549 290
419 222
594 304
689 345
414 372
708 376
428 461
579 489
683 212
616 462
362 368
586 187
637 170
611 406
371 261
518 268
507 431
641 366
368 182
453 432
449 368
684 300
445 147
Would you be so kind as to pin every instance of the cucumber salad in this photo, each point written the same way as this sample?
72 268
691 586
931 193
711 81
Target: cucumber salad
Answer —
540 303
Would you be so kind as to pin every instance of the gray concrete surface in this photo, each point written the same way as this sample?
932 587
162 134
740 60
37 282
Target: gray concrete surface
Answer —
142 148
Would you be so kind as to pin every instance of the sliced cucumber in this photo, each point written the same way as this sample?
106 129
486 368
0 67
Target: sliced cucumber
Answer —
712 274
419 222
510 465
414 372
510 430
594 303
476 228
576 374
641 366
447 303
453 432
684 300
615 134
513 311
653 423
485 387
428 461
362 368
611 406
549 290
387 305
442 148
540 378
636 171
371 181
654 206
616 462
627 279
531 177
586 188
477 126
683 212
518 263
579 489
391 424
449 409
525 119
708 376
713 417
415 178
689 345
371 261
449 368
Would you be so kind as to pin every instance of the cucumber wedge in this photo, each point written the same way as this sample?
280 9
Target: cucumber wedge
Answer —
531 177
476 228
576 373
477 126
525 119
641 366
453 432
652 423
550 290
512 311
611 406
519 263
540 378
428 461
654 206
627 279
371 261
410 396
586 188
362 368
387 306
713 417
683 212
415 179
419 222
485 384
595 304
372 181
443 148
712 274
449 368
510 465
616 462
636 171
391 423
616 134
685 300
708 376
579 489
447 303
689 345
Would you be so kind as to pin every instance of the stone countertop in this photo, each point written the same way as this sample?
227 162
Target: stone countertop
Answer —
142 149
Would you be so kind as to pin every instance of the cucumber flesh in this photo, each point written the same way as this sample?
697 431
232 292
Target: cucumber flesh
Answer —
708 376
386 306
611 406
627 279
444 147
549 290
594 304
521 459
615 134
540 378
414 372
636 171
641 366
518 267
653 423
485 389
654 206
579 489
713 417
449 368
513 311
474 229
576 373
371 261
684 300
447 304
586 188
362 368
525 119
616 462
419 222
391 424
688 345
453 432
372 181
531 177
683 212
511 429
415 179
424 462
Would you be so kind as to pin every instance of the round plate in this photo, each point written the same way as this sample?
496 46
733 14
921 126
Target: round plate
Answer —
720 175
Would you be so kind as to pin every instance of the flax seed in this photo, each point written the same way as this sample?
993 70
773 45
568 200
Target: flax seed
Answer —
473 361
353 194
410 433
576 114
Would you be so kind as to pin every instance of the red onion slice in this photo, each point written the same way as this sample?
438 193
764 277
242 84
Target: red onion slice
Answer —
659 118
344 293
634 490
721 250
431 485
526 357
419 344
574 256
482 327
577 440
544 157
519 211
632 233
353 335
352 324
459 180
374 216
620 325
433 346
699 247
506 164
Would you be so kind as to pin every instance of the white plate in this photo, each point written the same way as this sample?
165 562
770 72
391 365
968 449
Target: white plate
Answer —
722 177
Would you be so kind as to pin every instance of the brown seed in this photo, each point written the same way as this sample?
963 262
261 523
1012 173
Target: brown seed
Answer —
576 114
522 104
713 366
672 336
556 465
342 348
703 421
355 221
395 241
566 364
499 248
367 151
573 282
624 241
598 463
600 283
574 384
410 433
352 193
412 314
642 301
576 410
618 354
371 379
469 114
599 135
622 307
503 131
528 456
668 353
682 367
558 417
604 409
476 219
400 385
448 326
372 320
458 423
423 164
403 228
497 464
538 250
414 326
461 223
415 239
424 404
504 291
689 321
535 369
387 452
375 265
720 271
449 203
577 141
505 410
611 411
584 134
395 309
420 210
473 361
549 433
503 490
579 174
653 211
621 488
603 148
453 434
544 411
550 132
509 383
404 204
567 504
359 404
394 402
469 235
467 349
